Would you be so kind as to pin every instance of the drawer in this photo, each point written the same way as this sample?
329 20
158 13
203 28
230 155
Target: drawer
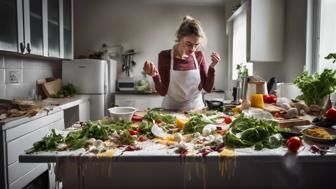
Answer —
17 170
17 146
32 125
59 125
27 178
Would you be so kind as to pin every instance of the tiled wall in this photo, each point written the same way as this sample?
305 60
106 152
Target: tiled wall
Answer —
30 70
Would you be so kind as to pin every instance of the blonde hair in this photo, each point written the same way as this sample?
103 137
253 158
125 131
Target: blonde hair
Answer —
191 26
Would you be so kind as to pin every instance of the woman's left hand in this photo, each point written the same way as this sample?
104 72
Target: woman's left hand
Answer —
215 58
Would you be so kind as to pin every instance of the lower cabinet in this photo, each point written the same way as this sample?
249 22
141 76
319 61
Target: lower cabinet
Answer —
140 102
16 140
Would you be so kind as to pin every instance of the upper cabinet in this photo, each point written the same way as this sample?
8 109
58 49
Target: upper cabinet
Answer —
38 27
256 32
9 22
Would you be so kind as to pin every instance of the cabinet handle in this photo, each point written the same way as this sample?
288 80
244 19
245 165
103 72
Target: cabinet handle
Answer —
22 47
28 48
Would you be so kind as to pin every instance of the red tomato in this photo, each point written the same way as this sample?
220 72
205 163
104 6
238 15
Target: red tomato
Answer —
267 99
227 120
137 118
331 113
132 132
141 138
273 98
293 144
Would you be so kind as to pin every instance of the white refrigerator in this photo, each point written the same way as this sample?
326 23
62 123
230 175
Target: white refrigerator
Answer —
96 78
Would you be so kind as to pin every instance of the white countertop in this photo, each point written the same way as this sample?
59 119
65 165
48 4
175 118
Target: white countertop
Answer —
53 104
65 103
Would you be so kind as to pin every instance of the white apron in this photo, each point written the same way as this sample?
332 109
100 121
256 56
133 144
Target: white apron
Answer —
183 92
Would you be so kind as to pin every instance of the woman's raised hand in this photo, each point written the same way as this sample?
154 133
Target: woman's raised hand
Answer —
150 69
215 58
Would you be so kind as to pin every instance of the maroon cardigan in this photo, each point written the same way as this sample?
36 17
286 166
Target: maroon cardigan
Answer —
161 80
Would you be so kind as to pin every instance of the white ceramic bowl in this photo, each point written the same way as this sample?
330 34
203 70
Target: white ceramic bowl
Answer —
121 113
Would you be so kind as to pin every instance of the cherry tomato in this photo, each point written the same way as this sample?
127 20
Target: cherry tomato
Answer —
137 118
294 143
132 132
141 138
227 120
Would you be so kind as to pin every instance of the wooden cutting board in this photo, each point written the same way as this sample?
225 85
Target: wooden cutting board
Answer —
273 108
52 87
287 123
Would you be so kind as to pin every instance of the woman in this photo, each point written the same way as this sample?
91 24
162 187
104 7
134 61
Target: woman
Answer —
182 72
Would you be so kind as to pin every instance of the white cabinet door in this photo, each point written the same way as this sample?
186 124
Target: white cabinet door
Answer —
140 102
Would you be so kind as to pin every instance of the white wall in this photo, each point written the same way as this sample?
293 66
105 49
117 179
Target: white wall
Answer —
30 69
295 39
146 27
294 45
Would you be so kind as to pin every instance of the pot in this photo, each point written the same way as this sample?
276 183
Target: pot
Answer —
214 104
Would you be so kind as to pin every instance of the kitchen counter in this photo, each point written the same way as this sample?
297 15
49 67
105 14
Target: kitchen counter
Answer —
159 167
14 121
65 103
52 105
135 93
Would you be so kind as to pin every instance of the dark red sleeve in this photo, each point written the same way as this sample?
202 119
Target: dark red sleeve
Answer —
207 74
161 81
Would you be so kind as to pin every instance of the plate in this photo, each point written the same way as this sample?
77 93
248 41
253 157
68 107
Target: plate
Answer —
332 132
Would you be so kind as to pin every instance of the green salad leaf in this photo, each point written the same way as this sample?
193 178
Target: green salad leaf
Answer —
248 132
48 142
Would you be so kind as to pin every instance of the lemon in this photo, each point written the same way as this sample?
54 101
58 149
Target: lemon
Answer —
180 122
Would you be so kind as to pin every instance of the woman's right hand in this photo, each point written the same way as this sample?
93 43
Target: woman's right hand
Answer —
150 69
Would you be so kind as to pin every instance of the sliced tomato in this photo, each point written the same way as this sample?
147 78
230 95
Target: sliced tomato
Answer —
137 118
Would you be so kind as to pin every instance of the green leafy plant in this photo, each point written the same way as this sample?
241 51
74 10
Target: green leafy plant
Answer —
316 87
331 56
242 70
66 91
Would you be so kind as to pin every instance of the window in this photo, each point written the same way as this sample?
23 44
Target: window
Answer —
327 31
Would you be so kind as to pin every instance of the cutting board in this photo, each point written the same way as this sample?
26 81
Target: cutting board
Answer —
287 123
52 87
273 108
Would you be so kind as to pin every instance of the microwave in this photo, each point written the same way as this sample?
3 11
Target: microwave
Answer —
126 84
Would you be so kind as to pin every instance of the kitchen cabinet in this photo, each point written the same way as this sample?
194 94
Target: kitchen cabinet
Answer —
16 138
37 27
139 101
256 32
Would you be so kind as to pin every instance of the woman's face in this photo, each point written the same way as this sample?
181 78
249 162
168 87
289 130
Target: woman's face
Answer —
189 44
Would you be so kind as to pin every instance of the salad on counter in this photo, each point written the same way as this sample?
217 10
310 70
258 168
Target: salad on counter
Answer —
187 133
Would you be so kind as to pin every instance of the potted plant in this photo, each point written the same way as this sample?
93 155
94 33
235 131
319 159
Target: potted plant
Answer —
316 88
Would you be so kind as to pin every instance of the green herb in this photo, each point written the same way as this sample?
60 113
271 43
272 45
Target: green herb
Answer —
155 114
196 124
242 70
145 128
50 142
66 91
126 138
315 88
331 56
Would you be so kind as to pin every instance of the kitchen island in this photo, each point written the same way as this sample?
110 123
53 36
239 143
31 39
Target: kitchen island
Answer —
154 163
